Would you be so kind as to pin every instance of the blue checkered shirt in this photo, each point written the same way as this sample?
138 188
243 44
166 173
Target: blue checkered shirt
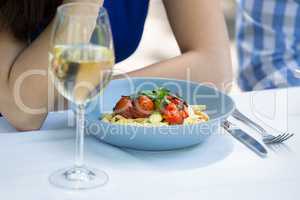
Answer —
268 43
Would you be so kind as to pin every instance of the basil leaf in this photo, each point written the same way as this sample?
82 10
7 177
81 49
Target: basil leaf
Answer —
148 93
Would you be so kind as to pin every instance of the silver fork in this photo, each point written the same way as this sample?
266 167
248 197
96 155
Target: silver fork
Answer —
267 138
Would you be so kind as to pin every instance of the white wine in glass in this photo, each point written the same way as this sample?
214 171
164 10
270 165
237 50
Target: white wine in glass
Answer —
81 72
81 59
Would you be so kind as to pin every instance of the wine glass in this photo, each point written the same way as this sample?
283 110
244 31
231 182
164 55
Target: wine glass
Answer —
81 59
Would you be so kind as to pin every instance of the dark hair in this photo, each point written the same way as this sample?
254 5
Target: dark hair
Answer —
23 17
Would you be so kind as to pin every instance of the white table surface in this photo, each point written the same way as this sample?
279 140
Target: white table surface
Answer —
222 168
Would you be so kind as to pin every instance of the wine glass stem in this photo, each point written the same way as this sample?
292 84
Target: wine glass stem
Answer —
79 136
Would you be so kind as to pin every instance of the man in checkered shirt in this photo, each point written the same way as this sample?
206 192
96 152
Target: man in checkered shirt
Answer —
268 41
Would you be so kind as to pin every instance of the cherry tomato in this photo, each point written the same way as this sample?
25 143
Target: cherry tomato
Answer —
143 107
171 107
145 103
172 115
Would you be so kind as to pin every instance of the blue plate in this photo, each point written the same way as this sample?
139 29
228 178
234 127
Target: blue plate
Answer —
219 107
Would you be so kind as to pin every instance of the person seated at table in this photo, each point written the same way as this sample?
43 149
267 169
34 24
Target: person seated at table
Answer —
25 28
268 36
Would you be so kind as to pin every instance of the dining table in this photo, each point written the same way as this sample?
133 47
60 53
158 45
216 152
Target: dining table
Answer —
220 168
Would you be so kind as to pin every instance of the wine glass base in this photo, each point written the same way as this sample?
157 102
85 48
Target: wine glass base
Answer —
78 178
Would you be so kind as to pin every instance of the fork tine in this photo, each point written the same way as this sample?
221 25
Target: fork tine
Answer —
284 138
278 138
288 137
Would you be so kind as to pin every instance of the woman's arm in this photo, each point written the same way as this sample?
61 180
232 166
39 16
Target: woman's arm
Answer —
24 84
200 31
30 64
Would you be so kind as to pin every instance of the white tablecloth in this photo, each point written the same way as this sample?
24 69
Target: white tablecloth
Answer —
222 168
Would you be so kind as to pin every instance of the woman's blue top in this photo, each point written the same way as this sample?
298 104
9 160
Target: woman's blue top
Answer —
127 18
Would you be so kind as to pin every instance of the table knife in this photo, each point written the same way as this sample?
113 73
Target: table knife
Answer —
245 139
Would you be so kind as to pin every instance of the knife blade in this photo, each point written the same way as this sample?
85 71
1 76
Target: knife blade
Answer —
245 139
